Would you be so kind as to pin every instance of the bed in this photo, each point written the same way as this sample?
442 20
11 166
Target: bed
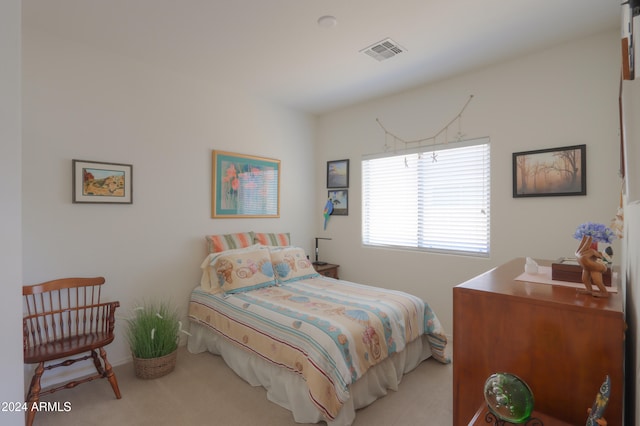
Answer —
321 347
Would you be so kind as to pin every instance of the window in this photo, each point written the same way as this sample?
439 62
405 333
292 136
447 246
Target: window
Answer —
434 199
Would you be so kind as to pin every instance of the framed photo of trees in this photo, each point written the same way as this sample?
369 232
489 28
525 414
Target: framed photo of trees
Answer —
550 172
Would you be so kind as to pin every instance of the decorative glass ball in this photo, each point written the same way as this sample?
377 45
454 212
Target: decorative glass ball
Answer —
508 397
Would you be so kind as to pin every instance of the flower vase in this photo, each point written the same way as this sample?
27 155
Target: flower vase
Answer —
594 245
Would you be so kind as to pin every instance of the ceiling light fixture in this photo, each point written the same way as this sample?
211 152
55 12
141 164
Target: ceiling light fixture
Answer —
327 21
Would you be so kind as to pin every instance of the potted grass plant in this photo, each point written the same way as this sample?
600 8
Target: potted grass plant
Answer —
153 332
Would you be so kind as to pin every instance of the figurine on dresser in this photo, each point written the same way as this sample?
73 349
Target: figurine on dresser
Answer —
592 268
599 405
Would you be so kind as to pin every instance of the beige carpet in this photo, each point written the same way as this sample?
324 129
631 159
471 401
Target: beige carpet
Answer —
202 390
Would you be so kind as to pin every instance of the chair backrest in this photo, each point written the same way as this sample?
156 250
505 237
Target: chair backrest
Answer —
63 308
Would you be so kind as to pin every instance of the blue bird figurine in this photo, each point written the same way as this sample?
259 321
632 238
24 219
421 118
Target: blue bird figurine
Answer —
599 405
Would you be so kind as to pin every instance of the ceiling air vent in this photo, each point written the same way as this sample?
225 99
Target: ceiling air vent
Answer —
384 49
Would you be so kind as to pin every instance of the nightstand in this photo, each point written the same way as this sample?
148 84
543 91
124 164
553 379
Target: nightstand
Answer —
328 270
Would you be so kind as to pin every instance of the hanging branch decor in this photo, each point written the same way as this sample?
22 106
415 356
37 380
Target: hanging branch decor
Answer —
419 142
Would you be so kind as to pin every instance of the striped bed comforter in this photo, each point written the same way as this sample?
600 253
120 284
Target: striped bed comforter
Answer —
330 332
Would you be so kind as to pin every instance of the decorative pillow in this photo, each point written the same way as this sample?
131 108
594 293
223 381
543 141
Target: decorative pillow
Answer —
291 264
272 239
208 281
224 242
240 270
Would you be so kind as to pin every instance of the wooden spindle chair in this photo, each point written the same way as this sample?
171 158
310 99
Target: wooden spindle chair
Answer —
65 318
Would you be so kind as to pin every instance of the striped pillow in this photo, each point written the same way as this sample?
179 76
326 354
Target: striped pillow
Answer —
272 239
224 242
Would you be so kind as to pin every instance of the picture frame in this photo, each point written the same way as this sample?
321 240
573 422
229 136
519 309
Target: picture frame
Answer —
550 172
102 183
340 200
244 186
338 174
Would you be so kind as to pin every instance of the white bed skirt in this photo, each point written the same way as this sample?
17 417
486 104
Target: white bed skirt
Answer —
289 390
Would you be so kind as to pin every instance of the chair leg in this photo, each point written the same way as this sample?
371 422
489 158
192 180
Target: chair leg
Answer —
34 393
111 376
97 363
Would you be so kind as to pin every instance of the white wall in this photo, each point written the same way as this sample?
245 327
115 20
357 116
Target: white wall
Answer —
11 388
80 103
563 96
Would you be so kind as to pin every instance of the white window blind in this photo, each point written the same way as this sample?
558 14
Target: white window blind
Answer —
435 200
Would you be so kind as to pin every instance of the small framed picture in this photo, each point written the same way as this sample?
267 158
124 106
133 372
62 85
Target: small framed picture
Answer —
102 183
550 172
340 200
338 174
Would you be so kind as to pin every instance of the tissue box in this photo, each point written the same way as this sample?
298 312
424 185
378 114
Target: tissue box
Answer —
569 270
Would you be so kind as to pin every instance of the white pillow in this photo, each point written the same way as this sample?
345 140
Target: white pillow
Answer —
237 270
291 264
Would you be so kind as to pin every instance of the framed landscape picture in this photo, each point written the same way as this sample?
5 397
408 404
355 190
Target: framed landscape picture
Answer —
338 174
103 183
340 200
244 186
550 172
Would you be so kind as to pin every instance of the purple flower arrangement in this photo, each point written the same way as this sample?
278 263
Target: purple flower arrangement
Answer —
597 231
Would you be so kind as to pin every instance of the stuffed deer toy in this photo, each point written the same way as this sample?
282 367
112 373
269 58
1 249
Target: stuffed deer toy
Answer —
592 268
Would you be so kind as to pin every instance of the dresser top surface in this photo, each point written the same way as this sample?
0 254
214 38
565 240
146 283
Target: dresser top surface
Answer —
502 281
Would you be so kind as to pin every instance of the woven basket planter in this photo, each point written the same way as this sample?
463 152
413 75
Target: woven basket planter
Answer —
152 368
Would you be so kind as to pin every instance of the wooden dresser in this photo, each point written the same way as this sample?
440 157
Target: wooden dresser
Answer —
561 343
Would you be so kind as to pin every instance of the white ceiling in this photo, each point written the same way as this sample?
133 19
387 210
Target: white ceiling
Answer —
276 49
